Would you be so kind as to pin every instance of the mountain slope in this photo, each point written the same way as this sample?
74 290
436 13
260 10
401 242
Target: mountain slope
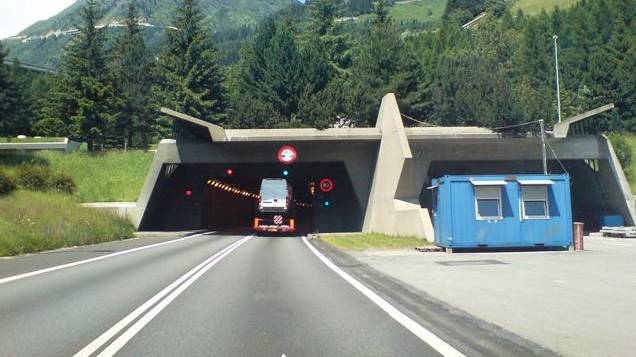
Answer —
42 42
220 14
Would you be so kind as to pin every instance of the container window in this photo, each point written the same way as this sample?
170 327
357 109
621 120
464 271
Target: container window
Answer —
535 201
488 202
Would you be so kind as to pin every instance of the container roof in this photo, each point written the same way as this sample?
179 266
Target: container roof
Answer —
488 182
536 182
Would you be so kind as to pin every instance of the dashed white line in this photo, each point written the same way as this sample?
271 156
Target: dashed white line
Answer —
418 330
91 260
168 294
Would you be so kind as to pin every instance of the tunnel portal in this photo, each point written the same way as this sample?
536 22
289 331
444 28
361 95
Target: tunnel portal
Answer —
223 196
380 172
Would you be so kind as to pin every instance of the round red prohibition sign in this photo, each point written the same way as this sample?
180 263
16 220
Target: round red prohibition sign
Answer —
326 185
287 154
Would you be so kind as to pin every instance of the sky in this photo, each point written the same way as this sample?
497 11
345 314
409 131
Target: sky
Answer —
16 15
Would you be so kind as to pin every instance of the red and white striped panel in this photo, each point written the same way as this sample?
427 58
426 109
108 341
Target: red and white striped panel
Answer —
278 219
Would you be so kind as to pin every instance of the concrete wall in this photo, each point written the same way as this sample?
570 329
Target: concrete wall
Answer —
395 171
65 145
613 178
122 209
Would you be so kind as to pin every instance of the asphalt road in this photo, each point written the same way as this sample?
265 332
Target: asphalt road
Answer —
220 295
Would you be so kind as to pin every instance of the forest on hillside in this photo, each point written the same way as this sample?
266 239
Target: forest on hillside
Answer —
304 67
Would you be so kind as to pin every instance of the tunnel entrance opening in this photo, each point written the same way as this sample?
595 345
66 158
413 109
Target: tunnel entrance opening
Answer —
223 197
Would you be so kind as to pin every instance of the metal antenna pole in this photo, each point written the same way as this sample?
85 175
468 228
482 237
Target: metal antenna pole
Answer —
543 153
556 64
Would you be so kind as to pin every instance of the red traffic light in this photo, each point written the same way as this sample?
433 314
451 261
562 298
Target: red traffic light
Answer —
229 172
188 193
326 185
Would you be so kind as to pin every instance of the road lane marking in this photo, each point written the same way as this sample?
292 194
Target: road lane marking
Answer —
91 260
168 294
418 330
110 333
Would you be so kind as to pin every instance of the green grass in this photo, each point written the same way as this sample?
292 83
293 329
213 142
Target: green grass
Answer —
114 176
533 7
631 170
34 221
31 140
416 10
373 241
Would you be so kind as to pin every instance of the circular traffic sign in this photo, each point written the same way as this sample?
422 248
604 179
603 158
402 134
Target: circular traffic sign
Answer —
287 154
326 185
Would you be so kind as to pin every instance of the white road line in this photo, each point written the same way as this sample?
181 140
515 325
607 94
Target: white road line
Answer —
172 291
91 260
418 330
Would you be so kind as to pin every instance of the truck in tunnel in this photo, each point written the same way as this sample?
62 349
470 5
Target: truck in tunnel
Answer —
276 207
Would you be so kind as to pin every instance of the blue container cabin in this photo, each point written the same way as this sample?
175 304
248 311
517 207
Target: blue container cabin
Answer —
497 211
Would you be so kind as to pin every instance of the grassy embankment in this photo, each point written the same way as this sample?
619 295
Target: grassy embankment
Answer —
115 176
37 221
631 170
372 241
533 7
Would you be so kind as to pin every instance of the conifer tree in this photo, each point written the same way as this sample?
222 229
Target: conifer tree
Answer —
192 79
271 71
327 35
131 67
9 98
382 65
80 104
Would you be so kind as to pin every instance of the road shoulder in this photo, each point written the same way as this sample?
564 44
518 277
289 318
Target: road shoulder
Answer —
465 332
11 266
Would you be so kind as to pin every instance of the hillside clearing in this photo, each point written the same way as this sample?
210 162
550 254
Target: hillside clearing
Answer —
423 11
426 11
533 7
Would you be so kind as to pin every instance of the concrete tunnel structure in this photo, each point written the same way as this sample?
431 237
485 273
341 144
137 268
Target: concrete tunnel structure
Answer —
381 174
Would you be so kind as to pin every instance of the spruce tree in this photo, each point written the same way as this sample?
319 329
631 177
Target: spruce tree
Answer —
271 71
80 104
327 34
9 98
384 64
131 67
192 79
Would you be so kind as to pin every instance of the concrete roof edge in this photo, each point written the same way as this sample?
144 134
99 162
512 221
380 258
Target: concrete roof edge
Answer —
217 133
562 129
303 134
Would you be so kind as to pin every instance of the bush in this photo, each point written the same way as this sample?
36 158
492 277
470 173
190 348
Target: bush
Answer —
63 183
34 177
622 149
7 184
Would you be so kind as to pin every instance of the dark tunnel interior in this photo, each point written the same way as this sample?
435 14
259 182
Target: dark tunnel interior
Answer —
184 199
